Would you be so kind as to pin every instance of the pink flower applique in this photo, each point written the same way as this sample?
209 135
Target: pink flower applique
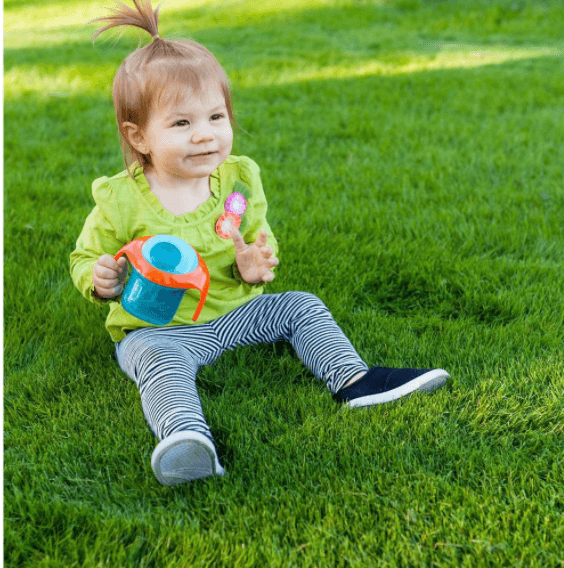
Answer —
236 203
225 223
235 206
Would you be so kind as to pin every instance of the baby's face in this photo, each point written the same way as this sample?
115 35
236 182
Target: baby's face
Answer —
192 138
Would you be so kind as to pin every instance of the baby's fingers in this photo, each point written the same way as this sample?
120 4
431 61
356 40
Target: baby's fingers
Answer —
107 287
107 267
267 251
108 291
238 241
268 276
261 240
123 268
108 275
105 273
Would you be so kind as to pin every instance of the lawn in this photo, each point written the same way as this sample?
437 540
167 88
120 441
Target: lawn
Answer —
409 154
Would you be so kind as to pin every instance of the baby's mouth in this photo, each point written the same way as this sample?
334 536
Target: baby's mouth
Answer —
202 154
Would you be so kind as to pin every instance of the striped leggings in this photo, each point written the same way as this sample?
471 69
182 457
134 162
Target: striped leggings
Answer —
164 361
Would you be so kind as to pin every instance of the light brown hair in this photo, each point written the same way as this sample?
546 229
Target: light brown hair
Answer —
157 75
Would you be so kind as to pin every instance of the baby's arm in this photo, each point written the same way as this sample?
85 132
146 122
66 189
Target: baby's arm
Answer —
97 240
255 262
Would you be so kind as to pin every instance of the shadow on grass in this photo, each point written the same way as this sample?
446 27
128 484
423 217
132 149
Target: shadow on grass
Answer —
375 32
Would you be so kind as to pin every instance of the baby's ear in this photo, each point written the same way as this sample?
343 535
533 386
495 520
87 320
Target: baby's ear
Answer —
134 136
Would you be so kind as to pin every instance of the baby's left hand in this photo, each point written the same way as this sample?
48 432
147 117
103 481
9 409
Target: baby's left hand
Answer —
254 261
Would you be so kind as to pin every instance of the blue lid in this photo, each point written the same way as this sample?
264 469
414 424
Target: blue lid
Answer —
170 254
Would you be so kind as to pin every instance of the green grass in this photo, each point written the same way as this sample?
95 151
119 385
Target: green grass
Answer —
410 157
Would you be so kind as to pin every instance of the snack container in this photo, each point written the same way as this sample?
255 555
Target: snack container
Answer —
163 267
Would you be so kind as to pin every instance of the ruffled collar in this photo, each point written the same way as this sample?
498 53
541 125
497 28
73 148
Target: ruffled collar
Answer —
204 210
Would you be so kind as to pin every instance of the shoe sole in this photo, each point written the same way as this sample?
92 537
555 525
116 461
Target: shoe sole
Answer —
430 381
184 456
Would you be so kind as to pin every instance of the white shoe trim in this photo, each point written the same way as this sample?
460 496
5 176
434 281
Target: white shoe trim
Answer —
190 438
427 382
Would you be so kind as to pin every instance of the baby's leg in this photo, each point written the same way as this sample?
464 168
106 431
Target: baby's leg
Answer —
166 378
304 321
165 372
307 324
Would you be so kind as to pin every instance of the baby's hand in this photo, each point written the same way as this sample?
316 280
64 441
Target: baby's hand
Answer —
108 276
254 261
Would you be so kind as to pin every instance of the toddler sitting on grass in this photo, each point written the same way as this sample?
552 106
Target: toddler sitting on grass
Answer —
174 116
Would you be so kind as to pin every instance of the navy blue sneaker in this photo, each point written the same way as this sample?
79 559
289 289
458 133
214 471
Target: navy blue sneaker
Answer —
384 384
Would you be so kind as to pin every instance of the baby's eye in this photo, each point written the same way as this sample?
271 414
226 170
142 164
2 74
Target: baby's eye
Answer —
181 123
216 116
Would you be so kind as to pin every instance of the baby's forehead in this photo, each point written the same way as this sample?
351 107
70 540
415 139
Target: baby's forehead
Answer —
209 94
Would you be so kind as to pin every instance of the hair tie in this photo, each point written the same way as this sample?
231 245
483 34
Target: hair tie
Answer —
156 36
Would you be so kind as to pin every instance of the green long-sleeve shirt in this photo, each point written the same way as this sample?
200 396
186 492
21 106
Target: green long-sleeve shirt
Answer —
126 209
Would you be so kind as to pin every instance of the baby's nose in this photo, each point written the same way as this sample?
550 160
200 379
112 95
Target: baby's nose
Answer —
202 133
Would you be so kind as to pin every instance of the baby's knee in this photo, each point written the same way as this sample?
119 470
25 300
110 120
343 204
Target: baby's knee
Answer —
307 301
145 352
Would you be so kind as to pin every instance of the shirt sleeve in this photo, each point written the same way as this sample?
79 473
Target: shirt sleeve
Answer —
256 212
98 237
257 207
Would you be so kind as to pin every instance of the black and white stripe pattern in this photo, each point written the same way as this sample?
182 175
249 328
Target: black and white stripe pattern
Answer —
164 361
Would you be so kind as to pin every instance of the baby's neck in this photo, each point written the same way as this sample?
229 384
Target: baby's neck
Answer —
182 196
172 184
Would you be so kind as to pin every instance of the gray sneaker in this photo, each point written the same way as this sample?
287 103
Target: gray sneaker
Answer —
184 456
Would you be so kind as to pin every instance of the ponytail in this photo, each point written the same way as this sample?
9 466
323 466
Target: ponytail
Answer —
144 17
